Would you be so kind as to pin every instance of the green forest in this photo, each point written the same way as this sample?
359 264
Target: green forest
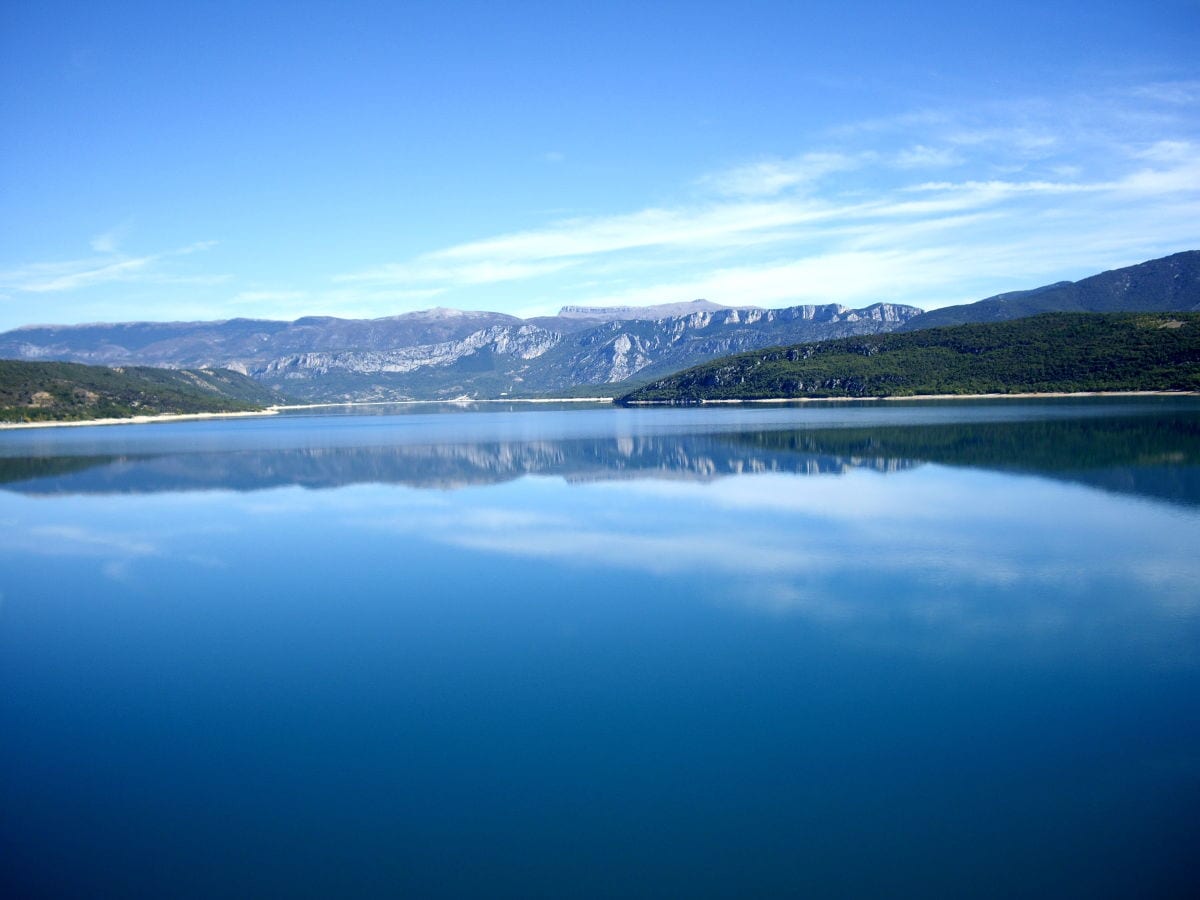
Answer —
59 391
1055 352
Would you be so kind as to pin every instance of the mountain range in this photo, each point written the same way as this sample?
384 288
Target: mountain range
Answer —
443 353
446 353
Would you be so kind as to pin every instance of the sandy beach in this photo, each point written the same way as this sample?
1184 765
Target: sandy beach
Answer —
143 420
275 410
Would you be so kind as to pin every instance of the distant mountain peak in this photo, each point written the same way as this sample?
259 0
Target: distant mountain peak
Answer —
1168 284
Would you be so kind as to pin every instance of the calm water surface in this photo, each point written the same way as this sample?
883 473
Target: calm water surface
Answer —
872 650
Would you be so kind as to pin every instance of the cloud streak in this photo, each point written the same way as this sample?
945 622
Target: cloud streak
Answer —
771 177
77 274
798 247
1043 188
932 207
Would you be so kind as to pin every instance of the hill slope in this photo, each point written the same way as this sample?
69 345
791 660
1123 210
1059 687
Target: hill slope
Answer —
41 392
1169 284
1047 353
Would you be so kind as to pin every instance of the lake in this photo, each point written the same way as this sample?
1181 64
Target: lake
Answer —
881 649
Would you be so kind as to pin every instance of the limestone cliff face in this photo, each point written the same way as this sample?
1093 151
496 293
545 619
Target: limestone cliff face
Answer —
621 350
524 342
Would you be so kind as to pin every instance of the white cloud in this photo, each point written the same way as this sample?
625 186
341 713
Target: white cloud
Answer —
922 120
1174 181
108 241
1024 141
986 191
829 278
770 177
72 275
780 229
1067 171
920 156
655 227
1179 93
195 247
1169 152
563 245
84 275
1039 190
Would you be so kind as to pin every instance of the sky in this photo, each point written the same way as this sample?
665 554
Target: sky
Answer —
197 161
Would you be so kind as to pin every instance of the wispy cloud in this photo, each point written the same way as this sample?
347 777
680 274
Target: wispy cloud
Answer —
569 243
860 220
109 241
920 156
76 274
770 177
84 273
872 250
931 207
1177 93
990 191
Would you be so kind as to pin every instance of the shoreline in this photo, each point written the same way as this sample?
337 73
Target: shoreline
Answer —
143 420
1021 396
275 410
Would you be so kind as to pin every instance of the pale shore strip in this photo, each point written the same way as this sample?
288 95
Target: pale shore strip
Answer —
275 410
1030 396
144 420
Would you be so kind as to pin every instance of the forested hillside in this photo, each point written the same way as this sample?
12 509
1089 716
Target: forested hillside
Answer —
55 391
1056 352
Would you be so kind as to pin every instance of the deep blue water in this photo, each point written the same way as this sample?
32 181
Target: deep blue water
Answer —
848 650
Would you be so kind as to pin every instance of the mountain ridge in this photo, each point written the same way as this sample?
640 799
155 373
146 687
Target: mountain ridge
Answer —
444 353
431 355
1166 284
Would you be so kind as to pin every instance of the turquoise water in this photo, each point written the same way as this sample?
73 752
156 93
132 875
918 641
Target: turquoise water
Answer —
845 650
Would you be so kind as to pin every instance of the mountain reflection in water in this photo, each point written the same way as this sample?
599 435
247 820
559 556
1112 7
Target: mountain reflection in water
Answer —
1152 456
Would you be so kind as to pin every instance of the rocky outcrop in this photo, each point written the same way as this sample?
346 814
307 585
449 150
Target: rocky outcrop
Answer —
525 342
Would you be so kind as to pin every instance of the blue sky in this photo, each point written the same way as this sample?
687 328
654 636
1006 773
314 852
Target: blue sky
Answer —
209 160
